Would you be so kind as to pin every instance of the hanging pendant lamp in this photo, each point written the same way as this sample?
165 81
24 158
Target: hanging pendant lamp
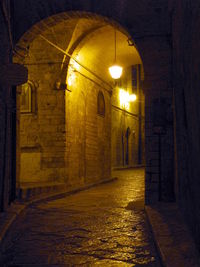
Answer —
115 70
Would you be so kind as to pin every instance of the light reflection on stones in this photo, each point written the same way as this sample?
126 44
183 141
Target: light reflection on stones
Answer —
102 226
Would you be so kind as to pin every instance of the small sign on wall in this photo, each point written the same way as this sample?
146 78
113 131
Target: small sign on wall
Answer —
13 74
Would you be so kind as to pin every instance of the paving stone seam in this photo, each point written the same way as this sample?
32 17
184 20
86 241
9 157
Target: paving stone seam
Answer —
18 208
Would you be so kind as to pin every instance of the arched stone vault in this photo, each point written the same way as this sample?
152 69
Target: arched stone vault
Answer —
51 139
87 23
151 34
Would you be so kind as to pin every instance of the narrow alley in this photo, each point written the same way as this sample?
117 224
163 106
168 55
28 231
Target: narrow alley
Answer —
102 226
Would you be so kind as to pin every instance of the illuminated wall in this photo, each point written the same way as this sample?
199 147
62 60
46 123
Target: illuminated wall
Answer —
127 138
87 131
42 130
63 138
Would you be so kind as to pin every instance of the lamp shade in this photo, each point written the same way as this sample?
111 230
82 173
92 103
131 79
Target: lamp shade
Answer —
115 71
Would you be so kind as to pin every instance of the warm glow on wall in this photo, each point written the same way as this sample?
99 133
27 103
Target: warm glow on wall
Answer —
73 67
75 64
115 71
125 98
71 77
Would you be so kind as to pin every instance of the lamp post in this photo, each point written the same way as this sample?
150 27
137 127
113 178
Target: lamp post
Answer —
115 70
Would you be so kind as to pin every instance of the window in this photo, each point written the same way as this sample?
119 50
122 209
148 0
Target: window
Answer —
100 104
28 98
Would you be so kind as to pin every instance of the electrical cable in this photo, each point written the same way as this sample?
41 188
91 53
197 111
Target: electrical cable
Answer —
80 64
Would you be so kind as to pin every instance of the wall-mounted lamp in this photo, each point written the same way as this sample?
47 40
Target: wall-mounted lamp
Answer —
125 98
115 70
61 86
132 98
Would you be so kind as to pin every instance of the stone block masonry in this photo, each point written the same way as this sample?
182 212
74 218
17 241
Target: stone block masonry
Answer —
147 22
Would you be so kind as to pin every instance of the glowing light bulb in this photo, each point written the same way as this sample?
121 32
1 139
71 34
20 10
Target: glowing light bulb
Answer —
115 71
132 98
124 98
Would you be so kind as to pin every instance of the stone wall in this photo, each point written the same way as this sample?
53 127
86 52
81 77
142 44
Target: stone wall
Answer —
42 130
7 122
63 139
185 24
88 133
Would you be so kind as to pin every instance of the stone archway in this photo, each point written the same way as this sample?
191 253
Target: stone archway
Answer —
51 60
148 24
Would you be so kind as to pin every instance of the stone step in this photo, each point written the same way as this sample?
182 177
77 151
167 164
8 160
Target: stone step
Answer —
27 191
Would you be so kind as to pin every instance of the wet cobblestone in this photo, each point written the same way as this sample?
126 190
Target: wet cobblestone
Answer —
102 226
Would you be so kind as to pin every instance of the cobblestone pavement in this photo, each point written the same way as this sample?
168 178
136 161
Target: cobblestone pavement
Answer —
101 226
